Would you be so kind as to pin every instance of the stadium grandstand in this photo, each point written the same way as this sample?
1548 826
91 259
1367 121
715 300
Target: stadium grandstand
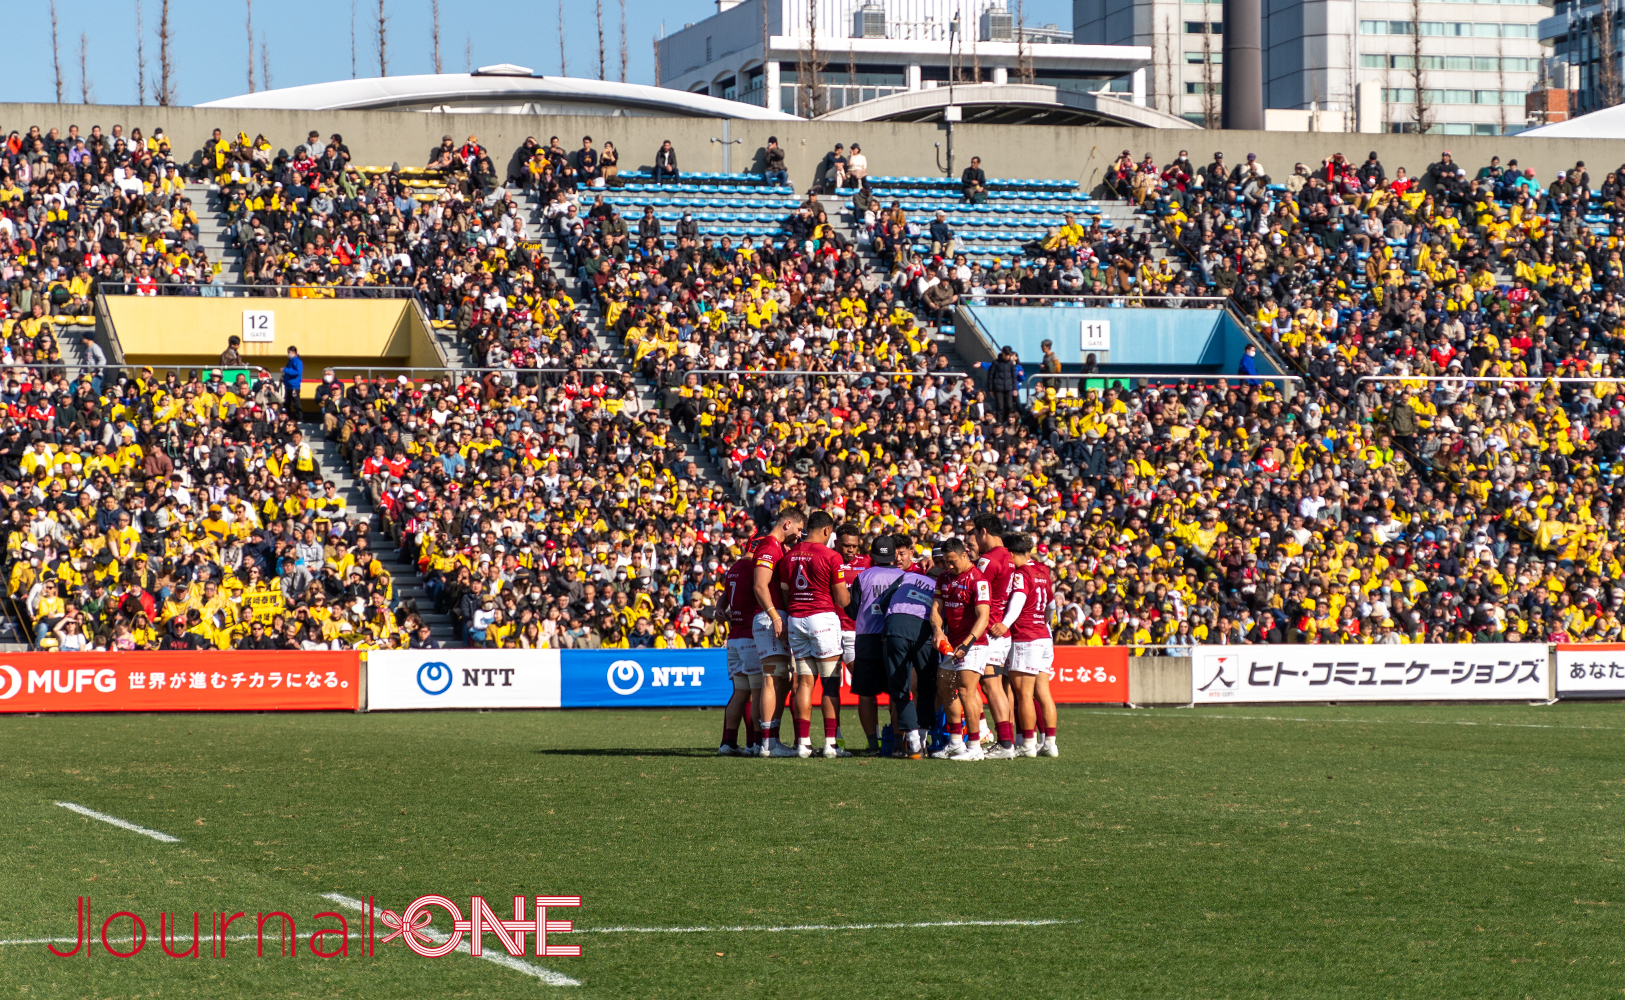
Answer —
646 364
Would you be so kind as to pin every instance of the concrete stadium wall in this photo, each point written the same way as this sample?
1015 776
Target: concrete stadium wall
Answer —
1082 154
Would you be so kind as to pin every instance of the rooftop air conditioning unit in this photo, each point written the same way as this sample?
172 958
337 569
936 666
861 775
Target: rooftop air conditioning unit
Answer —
869 21
997 25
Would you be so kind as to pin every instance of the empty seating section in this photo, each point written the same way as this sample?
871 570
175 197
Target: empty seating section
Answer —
1016 217
735 205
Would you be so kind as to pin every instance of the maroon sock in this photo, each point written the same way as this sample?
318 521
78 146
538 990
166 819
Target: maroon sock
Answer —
753 736
1007 731
1038 709
803 729
830 725
1027 734
730 735
1049 731
956 729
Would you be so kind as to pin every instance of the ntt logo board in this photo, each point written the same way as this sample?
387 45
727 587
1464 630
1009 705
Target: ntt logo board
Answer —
546 678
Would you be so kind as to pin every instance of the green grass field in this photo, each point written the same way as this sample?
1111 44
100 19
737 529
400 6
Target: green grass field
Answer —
1241 852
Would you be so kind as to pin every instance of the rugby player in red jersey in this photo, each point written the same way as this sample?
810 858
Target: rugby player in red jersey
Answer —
738 604
960 618
849 545
1032 653
768 627
810 575
993 561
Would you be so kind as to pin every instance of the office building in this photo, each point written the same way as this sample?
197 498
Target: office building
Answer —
756 51
1339 65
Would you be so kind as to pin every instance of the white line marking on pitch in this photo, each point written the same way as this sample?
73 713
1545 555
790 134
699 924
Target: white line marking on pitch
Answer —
122 824
558 979
121 941
1361 722
795 928
506 961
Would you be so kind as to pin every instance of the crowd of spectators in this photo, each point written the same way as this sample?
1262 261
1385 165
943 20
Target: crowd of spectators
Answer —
547 504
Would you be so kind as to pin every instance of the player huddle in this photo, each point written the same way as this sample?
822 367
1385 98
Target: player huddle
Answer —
965 631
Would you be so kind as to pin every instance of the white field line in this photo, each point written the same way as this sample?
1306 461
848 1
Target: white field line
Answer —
122 824
562 980
355 935
547 976
799 928
1142 714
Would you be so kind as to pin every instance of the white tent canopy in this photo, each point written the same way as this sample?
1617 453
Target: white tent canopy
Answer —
1609 123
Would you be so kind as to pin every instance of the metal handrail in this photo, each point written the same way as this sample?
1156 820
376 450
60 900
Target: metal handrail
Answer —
1217 300
1164 377
1470 379
215 289
808 371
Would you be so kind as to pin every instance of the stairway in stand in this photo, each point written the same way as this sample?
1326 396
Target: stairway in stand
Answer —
612 354
212 224
408 586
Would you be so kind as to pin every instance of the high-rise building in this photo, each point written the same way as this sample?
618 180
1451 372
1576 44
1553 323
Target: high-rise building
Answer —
755 51
1580 62
1340 65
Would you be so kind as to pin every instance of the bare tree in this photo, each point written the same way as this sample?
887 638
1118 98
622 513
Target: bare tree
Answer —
810 66
56 54
851 76
468 52
1351 87
1024 48
623 41
1421 110
598 12
1608 75
265 62
1172 54
656 40
352 41
383 40
248 21
564 67
434 30
1210 99
975 57
165 95
1501 84
86 89
140 57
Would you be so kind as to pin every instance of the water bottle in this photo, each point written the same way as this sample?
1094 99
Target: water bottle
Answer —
886 742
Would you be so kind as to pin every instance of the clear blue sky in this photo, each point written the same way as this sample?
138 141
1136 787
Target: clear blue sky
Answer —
310 42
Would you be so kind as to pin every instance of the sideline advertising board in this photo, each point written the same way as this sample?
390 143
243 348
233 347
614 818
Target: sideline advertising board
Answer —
1456 672
1090 675
645 678
1591 671
463 678
179 682
1084 675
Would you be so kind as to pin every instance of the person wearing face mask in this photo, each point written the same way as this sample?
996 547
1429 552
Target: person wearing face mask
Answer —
329 394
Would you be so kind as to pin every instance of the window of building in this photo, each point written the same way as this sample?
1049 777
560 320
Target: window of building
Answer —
707 48
1216 57
1198 87
1451 29
1195 27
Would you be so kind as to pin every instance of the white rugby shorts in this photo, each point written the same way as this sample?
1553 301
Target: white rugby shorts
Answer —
761 629
816 637
1035 657
975 659
998 652
742 658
